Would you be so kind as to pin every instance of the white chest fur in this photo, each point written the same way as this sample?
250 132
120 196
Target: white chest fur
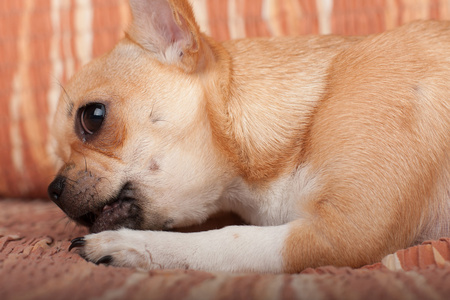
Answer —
277 203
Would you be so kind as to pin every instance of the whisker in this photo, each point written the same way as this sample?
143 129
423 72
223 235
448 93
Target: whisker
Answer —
153 106
71 180
66 98
85 164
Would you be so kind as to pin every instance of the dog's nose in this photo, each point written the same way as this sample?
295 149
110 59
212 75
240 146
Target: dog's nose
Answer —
56 188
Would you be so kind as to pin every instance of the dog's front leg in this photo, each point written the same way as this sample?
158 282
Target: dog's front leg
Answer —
234 248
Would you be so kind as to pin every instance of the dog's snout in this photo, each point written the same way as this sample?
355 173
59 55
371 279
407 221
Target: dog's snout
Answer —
56 188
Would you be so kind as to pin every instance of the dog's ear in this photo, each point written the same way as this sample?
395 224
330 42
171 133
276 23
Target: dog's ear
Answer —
168 29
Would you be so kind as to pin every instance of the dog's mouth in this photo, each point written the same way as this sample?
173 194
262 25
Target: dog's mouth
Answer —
121 211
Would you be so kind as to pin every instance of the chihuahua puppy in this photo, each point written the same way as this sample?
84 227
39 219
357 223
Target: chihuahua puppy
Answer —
335 150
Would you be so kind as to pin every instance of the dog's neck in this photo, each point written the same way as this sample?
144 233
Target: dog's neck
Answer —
260 101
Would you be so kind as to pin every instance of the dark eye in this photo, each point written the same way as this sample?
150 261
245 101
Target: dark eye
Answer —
91 117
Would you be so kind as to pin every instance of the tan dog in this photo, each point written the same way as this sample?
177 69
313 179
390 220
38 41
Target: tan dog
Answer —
337 149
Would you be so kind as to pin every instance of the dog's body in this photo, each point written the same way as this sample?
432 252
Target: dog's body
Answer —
337 149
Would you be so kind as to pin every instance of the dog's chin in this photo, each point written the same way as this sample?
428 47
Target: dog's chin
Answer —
122 213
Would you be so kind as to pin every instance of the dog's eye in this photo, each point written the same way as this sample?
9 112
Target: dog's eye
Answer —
91 117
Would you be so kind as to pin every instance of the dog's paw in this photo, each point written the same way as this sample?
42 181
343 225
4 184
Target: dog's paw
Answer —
122 248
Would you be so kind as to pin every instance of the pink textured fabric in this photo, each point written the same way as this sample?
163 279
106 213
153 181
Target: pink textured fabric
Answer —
35 264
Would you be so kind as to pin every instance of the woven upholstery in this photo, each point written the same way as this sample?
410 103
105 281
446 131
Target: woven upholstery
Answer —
35 264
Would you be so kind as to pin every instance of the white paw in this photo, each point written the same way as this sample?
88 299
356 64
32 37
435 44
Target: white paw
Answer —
122 248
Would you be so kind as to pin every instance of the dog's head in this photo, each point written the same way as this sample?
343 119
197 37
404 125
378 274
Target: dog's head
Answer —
133 131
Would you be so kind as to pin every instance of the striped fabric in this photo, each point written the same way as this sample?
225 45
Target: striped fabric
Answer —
43 42
34 236
429 253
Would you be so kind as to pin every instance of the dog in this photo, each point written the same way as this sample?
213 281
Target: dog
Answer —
333 150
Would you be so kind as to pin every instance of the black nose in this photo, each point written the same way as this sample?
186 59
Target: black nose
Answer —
56 188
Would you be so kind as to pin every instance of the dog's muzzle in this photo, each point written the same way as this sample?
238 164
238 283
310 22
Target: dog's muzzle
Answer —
120 211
